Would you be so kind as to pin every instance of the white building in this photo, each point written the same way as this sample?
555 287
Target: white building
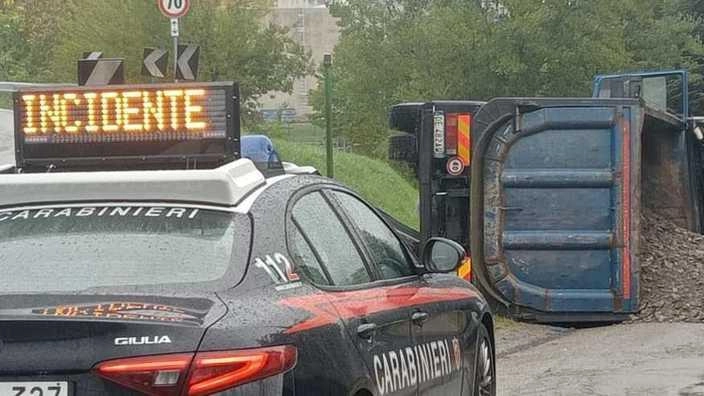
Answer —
312 26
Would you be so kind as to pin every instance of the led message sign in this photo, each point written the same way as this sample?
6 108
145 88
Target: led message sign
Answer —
163 114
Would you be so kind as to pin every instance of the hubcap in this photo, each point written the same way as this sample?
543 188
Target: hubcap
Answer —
486 372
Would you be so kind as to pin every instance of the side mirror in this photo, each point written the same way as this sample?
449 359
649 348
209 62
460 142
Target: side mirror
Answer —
442 255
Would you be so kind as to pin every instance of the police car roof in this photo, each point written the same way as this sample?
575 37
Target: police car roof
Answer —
227 185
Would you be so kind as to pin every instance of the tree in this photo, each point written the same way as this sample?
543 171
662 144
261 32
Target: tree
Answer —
695 10
236 42
27 35
411 50
13 55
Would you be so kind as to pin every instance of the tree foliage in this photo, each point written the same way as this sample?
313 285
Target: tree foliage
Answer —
27 36
410 50
236 43
42 40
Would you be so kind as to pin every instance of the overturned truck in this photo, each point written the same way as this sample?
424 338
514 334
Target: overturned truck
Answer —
548 198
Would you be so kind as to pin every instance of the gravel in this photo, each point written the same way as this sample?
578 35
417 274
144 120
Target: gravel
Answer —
671 272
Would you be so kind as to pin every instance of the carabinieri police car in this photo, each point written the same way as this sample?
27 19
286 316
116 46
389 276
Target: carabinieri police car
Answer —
141 255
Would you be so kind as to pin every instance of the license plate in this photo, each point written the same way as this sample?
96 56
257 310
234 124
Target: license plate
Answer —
55 388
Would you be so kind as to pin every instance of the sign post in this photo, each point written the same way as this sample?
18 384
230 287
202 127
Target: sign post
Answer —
174 34
174 9
327 64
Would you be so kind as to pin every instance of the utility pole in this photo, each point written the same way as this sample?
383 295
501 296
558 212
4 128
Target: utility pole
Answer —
174 34
327 64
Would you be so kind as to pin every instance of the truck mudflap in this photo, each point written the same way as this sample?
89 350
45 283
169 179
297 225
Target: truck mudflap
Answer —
556 204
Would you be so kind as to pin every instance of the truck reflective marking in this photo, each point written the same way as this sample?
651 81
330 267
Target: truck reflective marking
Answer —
144 340
408 367
154 211
464 142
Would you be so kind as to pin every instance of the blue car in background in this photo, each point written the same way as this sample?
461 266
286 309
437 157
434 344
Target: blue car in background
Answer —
258 148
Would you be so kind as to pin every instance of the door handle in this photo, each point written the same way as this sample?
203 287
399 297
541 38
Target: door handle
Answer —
366 331
420 317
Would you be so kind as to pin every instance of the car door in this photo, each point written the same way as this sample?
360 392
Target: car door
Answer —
327 253
437 301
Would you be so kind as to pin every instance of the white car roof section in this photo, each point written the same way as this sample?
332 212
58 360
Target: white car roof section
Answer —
226 185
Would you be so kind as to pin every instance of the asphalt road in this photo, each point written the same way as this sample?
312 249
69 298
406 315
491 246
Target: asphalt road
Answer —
631 359
7 144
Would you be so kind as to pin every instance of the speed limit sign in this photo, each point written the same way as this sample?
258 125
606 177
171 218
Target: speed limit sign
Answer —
174 8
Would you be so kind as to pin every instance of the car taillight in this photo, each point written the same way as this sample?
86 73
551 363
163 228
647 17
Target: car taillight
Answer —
202 374
216 371
160 375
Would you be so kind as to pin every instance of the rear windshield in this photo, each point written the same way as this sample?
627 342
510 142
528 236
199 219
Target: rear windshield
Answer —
64 249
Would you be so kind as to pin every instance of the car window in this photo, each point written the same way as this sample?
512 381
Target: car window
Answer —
328 236
70 249
386 249
306 262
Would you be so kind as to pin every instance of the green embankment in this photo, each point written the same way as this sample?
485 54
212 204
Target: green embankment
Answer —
375 180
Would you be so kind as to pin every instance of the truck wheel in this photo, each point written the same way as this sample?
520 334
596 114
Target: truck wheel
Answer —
484 367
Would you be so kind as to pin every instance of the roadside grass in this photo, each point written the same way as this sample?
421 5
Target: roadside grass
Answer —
374 179
302 132
503 323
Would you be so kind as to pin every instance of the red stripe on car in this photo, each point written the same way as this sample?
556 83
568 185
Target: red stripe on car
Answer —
329 307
